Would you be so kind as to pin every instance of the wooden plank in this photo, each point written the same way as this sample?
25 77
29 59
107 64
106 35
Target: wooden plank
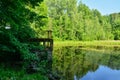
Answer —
40 40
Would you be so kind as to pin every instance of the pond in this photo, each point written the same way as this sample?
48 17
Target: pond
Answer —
76 63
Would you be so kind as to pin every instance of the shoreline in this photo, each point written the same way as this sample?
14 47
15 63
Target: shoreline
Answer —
105 43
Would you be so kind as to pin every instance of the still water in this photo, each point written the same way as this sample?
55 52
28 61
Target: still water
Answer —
74 63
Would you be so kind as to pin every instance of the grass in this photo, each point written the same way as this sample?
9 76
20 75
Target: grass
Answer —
100 46
88 43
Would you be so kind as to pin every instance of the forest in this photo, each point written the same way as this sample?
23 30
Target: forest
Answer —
21 20
77 22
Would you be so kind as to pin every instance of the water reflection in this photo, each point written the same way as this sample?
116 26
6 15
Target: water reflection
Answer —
74 63
102 73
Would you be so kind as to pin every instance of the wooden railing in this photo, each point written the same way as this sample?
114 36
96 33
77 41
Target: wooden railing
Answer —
47 42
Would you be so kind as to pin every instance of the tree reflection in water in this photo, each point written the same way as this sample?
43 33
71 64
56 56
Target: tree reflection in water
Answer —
73 63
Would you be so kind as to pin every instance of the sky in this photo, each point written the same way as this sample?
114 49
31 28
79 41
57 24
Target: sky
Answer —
105 7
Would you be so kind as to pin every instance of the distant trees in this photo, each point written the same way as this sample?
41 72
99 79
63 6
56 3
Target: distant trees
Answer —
115 22
71 20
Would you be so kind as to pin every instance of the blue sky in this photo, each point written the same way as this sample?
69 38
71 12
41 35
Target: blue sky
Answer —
104 6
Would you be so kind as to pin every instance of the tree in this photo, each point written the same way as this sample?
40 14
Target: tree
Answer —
115 22
17 17
75 21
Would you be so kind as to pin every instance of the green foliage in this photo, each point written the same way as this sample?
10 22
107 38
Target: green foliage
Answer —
115 22
11 74
40 21
16 28
75 21
16 16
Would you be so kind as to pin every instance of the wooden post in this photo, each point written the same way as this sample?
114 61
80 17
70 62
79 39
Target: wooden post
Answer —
49 34
51 44
44 43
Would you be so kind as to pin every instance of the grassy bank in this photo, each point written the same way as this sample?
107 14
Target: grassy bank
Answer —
88 43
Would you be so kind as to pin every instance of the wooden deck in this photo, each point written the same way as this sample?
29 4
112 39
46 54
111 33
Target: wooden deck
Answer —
47 42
